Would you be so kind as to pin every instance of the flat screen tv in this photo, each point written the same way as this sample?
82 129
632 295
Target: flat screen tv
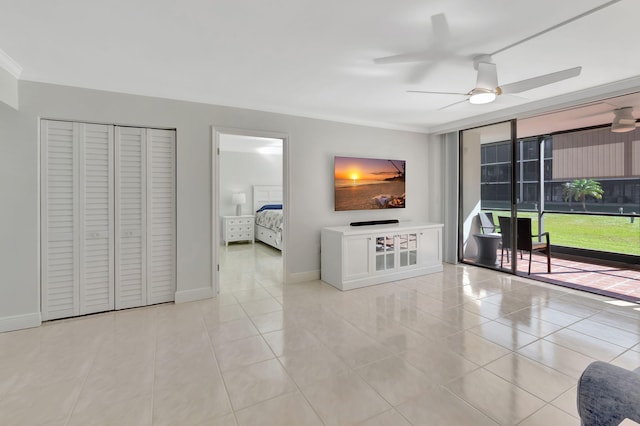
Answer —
368 183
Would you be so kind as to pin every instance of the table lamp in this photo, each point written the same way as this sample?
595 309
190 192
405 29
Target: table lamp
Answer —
238 199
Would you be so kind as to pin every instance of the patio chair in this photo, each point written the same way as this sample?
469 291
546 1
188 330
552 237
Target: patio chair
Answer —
487 224
525 239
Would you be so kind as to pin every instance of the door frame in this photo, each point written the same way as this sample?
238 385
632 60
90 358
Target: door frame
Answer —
216 132
513 206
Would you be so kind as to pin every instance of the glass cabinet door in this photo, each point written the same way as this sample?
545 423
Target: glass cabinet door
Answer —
385 253
408 249
396 251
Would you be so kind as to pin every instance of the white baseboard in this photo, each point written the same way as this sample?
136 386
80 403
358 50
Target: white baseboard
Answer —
301 277
194 294
19 322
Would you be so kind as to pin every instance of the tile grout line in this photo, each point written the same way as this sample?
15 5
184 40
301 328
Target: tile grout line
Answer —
155 362
277 358
211 348
84 381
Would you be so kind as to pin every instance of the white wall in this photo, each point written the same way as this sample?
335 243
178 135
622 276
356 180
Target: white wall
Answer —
312 145
311 183
8 88
19 267
443 163
470 206
239 171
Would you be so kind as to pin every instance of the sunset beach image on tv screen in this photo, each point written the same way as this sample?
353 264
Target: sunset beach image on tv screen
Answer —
368 183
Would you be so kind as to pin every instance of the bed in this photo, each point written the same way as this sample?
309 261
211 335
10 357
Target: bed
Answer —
269 218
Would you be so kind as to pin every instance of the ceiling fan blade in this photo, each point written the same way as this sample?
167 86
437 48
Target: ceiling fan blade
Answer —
405 58
453 104
419 72
487 76
436 46
541 80
441 32
437 93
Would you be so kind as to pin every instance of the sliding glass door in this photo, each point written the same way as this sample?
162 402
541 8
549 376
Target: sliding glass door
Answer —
488 196
571 189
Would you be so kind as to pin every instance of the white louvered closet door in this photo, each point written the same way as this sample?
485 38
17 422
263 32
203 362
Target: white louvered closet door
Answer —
108 218
77 219
145 216
96 289
59 220
131 217
161 237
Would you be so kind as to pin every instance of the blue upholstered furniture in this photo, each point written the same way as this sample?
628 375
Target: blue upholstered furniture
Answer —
608 394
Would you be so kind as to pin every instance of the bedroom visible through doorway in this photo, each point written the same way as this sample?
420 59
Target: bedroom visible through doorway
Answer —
250 218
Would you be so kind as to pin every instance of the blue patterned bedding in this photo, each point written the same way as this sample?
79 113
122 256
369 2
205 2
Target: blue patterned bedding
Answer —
271 219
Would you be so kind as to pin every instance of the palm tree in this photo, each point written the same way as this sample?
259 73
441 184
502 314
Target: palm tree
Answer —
580 189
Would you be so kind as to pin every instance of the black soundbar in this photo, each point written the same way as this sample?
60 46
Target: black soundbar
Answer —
375 222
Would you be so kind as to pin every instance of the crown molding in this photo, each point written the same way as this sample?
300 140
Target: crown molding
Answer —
10 65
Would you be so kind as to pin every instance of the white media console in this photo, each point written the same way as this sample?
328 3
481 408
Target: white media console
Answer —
354 257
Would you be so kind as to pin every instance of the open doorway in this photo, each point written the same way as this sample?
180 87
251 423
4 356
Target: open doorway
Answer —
249 219
482 239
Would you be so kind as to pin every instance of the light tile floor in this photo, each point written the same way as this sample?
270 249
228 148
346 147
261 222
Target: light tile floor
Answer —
468 346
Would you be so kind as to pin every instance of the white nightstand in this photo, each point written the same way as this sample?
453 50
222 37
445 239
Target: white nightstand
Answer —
238 228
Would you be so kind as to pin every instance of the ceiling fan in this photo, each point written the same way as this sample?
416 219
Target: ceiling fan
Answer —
623 120
487 88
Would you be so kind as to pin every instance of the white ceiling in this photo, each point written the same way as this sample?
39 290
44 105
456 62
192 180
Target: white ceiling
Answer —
315 58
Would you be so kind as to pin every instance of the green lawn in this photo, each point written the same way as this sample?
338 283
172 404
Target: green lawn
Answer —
603 233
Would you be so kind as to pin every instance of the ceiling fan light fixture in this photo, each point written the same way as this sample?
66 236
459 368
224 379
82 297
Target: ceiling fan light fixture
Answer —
481 96
622 128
